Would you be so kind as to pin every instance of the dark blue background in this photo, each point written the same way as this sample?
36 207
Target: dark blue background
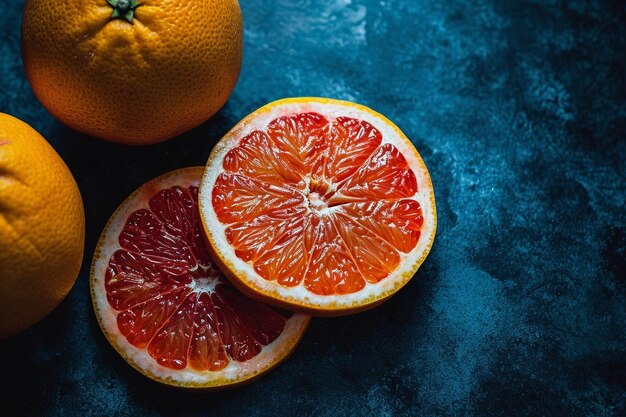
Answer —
519 110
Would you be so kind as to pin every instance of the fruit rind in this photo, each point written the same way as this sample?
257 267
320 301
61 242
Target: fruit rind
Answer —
42 227
137 83
231 376
242 274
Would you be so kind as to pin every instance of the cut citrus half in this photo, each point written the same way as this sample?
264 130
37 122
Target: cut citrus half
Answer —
318 205
163 305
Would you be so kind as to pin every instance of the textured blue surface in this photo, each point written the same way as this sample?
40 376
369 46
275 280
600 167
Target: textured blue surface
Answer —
519 110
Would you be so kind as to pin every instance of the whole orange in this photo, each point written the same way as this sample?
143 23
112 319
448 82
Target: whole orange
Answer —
42 227
134 72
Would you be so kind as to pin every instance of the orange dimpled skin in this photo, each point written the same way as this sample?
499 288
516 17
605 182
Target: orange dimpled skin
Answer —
42 227
138 77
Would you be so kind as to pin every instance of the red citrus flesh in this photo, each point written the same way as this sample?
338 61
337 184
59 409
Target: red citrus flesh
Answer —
169 298
316 202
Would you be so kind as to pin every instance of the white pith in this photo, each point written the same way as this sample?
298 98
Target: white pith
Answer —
234 372
207 285
299 295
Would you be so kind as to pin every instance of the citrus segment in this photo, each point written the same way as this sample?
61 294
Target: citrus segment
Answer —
319 205
131 280
287 256
333 270
396 222
166 308
240 198
207 351
385 175
375 258
144 234
170 346
139 324
257 156
351 142
301 138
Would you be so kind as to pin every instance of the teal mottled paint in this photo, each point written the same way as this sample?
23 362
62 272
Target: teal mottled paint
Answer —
519 110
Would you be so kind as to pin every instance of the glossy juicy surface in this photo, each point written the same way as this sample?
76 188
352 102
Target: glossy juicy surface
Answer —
172 301
517 108
320 203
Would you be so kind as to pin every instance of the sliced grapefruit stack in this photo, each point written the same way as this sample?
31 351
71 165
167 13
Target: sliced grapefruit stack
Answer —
317 205
164 306
310 205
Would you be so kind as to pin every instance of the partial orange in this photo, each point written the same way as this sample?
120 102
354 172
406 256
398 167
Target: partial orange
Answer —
318 205
167 309
42 227
137 77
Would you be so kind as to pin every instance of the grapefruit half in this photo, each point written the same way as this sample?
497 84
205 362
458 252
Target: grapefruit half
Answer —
164 306
318 205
